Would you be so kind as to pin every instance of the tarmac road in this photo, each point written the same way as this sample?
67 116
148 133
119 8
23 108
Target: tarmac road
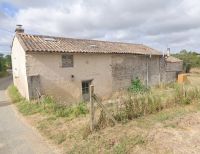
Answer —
16 136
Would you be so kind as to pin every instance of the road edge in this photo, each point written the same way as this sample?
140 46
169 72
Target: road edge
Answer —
25 121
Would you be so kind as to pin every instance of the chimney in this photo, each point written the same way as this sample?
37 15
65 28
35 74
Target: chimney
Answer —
19 29
168 52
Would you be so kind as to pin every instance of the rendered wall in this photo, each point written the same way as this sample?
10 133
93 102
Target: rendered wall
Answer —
19 68
58 82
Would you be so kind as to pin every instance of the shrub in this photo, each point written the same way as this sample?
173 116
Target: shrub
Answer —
187 67
137 86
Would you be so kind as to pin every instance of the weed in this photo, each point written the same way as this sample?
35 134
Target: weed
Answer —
167 116
120 148
59 138
47 105
137 86
86 131
135 105
126 142
14 94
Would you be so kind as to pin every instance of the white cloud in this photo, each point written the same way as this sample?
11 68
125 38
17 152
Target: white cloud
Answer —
158 23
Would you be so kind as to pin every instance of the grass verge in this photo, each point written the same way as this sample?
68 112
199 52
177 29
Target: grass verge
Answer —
66 128
47 105
135 105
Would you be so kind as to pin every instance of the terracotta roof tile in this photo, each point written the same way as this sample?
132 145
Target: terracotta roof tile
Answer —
172 59
39 43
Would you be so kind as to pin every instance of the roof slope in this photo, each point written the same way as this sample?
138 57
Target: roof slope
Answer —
172 59
39 43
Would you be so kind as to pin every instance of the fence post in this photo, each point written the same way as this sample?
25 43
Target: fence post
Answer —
91 107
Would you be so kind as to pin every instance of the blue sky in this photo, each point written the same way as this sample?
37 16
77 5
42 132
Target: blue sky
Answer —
157 23
8 9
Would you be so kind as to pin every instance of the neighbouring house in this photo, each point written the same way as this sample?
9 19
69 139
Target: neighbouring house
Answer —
173 67
65 68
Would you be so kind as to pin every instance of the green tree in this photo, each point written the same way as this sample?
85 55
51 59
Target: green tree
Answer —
8 61
5 62
2 63
190 59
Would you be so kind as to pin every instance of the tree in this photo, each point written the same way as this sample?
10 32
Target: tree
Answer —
5 62
190 59
8 61
2 63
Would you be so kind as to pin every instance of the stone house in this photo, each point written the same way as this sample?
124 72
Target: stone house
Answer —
65 67
173 67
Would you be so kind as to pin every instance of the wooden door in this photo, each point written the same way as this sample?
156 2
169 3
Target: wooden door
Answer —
86 90
34 87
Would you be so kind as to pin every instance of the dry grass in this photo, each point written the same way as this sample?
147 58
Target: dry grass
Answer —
134 136
195 71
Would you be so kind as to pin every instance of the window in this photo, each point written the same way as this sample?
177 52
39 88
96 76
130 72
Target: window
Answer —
85 87
67 60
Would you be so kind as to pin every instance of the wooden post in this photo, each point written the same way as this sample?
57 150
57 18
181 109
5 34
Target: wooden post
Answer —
107 112
91 107
147 71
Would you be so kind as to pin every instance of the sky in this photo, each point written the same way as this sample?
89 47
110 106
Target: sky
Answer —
160 24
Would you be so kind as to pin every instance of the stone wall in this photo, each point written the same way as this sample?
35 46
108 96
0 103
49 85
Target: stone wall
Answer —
170 70
174 66
127 67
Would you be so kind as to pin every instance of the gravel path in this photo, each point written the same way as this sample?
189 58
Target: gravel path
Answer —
16 136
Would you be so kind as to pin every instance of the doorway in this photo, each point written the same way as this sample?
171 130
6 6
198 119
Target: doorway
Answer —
34 86
86 90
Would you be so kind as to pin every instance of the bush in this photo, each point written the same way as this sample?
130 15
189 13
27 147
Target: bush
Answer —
187 67
188 57
137 86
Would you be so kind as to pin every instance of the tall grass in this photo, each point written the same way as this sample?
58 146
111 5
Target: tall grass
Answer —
14 94
135 105
46 105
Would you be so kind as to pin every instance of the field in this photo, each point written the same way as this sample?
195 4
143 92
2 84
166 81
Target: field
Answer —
171 129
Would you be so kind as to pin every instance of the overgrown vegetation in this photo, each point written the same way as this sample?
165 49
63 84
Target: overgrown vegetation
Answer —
5 63
190 59
137 86
47 105
162 107
136 104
